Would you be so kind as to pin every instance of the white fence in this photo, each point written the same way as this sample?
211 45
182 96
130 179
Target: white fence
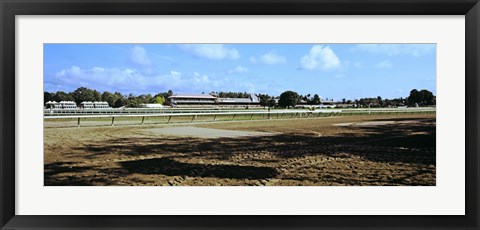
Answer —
246 114
60 112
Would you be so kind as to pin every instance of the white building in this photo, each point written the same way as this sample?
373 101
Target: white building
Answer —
212 100
87 105
67 105
328 104
101 105
152 106
51 105
94 105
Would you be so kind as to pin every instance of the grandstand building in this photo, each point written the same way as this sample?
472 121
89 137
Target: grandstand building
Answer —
212 100
192 100
250 102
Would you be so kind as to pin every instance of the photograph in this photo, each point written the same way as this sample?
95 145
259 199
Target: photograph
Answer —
239 114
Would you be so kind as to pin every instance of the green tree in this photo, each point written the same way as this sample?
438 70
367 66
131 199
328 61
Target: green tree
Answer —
144 98
159 100
380 101
133 102
414 97
96 95
316 99
263 99
62 96
288 99
266 100
422 98
120 102
47 97
109 98
84 94
427 98
271 102
164 95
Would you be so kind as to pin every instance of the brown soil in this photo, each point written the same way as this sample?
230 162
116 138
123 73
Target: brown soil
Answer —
310 151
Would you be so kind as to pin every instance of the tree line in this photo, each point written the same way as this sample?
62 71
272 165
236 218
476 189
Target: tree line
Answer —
114 100
416 98
285 100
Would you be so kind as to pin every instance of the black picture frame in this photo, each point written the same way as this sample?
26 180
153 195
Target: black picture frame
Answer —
10 8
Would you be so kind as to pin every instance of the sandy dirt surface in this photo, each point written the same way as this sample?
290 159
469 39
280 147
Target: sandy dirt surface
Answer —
376 123
396 150
197 132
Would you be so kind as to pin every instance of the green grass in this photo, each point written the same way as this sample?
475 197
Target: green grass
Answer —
93 121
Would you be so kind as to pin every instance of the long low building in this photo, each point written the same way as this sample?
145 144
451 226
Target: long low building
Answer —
61 105
192 99
73 105
94 105
208 100
328 104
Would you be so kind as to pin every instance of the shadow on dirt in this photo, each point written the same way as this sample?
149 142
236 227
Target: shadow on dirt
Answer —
412 143
64 173
171 167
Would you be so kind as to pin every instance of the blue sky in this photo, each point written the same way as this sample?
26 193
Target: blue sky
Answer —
333 71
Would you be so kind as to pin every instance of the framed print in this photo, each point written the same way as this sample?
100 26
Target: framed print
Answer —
186 114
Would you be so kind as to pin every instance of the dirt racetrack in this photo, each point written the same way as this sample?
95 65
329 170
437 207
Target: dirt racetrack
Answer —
363 150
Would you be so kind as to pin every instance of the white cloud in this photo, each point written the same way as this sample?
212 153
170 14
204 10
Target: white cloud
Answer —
175 73
270 58
384 64
357 64
212 51
176 76
415 50
199 78
320 57
97 78
239 69
130 81
139 56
